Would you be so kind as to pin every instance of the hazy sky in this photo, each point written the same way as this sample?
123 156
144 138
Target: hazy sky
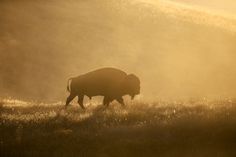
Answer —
227 6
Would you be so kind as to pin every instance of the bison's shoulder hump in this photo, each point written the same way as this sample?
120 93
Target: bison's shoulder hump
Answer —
107 71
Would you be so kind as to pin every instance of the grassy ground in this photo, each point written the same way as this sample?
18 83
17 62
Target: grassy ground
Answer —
191 128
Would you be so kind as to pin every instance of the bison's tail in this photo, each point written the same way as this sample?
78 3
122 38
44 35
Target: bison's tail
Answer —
68 85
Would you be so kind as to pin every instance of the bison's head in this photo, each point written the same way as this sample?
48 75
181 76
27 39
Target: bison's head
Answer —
132 85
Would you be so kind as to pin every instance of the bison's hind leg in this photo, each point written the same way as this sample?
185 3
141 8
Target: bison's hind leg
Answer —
106 101
69 99
80 101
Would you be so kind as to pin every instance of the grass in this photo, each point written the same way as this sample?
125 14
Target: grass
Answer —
185 128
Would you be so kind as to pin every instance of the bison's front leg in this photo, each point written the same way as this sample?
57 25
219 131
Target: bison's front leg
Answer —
80 101
121 101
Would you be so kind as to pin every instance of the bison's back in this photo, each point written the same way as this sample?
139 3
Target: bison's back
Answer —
103 81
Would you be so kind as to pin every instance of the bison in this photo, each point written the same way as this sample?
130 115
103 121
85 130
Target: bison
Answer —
108 82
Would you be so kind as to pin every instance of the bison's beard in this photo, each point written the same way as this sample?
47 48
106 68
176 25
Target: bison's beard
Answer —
132 97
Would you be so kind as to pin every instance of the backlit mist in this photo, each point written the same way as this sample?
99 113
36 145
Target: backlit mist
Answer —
177 48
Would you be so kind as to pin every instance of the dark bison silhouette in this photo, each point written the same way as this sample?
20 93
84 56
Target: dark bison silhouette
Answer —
108 82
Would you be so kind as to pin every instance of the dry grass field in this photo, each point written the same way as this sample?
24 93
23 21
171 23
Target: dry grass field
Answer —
176 128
